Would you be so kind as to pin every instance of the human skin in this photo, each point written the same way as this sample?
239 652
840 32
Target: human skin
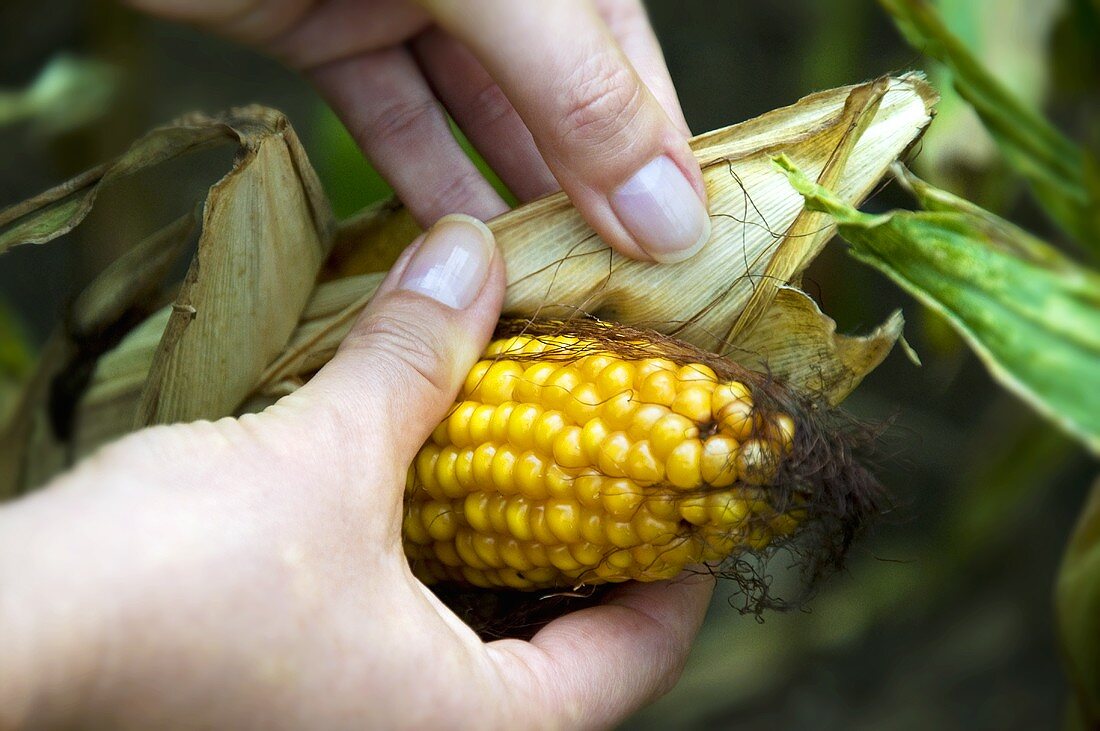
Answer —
566 93
248 573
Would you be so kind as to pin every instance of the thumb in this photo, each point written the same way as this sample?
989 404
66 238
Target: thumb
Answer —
398 370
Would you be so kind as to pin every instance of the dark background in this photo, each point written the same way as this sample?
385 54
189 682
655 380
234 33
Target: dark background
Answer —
943 619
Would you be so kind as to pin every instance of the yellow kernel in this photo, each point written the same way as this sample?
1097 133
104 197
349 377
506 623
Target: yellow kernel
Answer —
738 419
547 429
521 425
620 533
474 377
498 425
464 470
618 411
530 475
782 429
445 476
458 423
592 366
536 553
694 510
568 451
517 516
669 432
726 509
584 403
616 378
719 465
663 505
610 574
562 559
588 488
587 554
562 518
446 553
613 451
425 468
476 577
505 345
651 365
592 435
529 387
497 509
499 382
414 527
558 390
757 462
620 560
512 554
483 465
440 520
727 393
659 388
621 498
439 434
696 372
784 524
540 528
512 578
411 485
591 523
642 466
694 403
480 429
643 419
485 546
684 550
559 482
475 508
683 465
651 529
503 469
464 545
533 345
544 574
644 557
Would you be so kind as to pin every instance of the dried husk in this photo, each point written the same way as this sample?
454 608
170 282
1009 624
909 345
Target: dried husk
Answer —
265 335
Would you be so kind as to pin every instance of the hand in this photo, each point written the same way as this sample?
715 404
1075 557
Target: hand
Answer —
249 572
569 92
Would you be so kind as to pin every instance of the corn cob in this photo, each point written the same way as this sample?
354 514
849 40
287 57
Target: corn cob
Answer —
565 462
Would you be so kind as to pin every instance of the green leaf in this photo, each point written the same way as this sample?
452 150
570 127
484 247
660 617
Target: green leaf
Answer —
1053 165
1077 606
1031 314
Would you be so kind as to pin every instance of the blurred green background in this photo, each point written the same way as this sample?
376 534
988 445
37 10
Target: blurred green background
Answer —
943 618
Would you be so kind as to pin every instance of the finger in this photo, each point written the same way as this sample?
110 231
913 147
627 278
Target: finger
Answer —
594 667
397 121
604 136
398 370
629 23
484 114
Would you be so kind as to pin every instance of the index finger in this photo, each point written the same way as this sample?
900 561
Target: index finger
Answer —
623 161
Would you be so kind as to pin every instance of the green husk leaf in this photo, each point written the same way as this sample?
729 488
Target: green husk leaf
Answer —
1030 314
1053 165
1077 608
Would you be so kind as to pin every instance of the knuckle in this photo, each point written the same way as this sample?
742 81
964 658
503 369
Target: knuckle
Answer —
399 122
408 352
490 106
602 98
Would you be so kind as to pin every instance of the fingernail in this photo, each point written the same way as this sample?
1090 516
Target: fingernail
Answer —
662 211
452 262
